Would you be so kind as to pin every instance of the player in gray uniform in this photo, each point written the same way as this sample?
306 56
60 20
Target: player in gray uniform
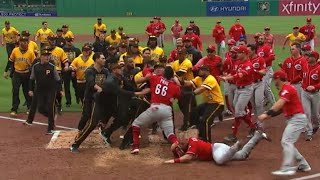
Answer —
291 106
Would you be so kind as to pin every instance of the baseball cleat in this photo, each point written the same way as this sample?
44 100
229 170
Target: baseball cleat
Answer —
26 123
308 138
231 138
106 139
304 168
13 114
228 112
284 172
50 132
135 151
74 149
315 130
264 135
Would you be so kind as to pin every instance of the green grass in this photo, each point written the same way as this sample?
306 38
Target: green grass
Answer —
136 25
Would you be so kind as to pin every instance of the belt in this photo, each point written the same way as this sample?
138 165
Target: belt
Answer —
313 91
259 80
21 71
242 87
81 81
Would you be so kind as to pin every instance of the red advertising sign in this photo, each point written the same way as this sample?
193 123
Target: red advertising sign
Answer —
299 7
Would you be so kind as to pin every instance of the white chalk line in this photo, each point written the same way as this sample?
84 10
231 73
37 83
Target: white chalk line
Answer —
34 122
308 177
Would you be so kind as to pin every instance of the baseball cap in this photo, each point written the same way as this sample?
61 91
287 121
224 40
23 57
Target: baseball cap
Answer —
45 51
134 43
7 22
306 47
242 49
257 35
267 28
205 67
189 28
103 31
65 26
279 75
115 66
151 21
232 42
120 28
309 19
295 27
218 21
25 33
24 38
68 39
211 48
113 31
192 21
234 49
152 38
186 39
59 30
99 18
124 36
155 17
177 20
313 54
123 45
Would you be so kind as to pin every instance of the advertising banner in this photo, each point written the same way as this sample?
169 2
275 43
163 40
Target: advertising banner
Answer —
240 8
299 7
16 14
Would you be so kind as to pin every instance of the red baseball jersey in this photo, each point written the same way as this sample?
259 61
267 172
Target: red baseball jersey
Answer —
176 30
200 149
269 39
218 34
150 29
229 66
292 67
311 76
215 64
293 104
266 52
246 69
196 42
308 30
258 64
163 90
146 71
173 55
236 31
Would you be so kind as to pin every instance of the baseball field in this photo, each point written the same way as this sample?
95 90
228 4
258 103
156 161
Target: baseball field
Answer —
29 154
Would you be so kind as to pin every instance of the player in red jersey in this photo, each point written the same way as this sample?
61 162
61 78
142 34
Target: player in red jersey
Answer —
236 31
219 35
213 61
309 30
163 91
176 31
149 29
293 65
292 109
196 42
269 37
174 53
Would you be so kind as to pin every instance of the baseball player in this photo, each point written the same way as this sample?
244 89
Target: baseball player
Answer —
259 68
309 31
305 49
20 60
183 69
94 75
195 28
156 51
66 32
101 44
98 28
295 37
133 51
269 37
31 44
163 91
105 103
196 41
265 51
60 41
193 54
293 65
219 35
204 114
236 31
9 37
120 32
176 31
79 66
45 82
290 104
174 53
310 92
111 55
43 33
113 38
149 31
162 29
243 80
195 149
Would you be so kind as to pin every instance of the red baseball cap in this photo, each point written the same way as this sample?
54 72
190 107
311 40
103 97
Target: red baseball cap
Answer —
279 74
313 54
242 49
232 42
309 19
257 35
234 49
189 28
211 48
306 47
177 20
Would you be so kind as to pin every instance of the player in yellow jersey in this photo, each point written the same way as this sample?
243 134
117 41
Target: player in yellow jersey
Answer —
133 52
98 27
183 69
204 114
9 37
79 66
113 38
295 36
20 60
156 51
43 34
66 32
120 32
31 44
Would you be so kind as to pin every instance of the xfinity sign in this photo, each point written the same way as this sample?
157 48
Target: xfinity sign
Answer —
299 7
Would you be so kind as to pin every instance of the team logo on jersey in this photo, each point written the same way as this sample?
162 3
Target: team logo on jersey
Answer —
261 54
284 92
48 72
256 65
314 76
247 68
298 67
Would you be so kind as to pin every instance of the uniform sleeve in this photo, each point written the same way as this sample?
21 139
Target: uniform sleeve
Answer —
32 79
197 66
178 92
172 56
58 79
196 82
231 32
192 147
288 36
32 57
245 72
210 83
285 95
269 55
38 32
64 57
199 43
262 63
185 66
51 33
303 37
74 63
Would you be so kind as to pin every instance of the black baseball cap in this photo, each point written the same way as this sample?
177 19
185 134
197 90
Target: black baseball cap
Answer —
45 52
7 22
65 26
25 33
59 30
120 28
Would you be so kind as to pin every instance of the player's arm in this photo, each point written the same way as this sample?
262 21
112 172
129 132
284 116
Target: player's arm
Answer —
2 39
199 43
183 159
143 79
263 69
275 110
37 35
94 30
197 66
285 42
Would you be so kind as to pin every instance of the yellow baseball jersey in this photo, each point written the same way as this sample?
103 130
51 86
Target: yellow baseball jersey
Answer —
10 35
213 93
97 28
22 61
117 34
43 34
292 38
138 60
33 46
81 67
91 55
68 34
58 56
109 39
156 53
185 66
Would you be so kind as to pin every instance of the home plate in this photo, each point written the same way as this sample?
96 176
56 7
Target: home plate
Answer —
63 140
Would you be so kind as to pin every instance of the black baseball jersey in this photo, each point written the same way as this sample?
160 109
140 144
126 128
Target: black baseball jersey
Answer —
72 52
60 42
94 77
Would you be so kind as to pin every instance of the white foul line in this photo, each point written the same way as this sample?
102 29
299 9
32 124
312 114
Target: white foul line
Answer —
34 122
308 177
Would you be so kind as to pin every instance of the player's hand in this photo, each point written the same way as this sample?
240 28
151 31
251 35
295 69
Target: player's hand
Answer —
99 89
61 93
30 93
171 161
311 88
73 74
263 116
2 43
5 75
66 68
280 65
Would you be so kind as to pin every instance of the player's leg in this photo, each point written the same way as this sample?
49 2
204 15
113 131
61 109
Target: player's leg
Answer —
259 97
186 105
196 114
222 47
312 44
25 89
298 87
315 112
166 122
50 103
231 95
74 85
306 101
81 89
223 153
33 108
228 110
267 82
16 83
66 76
174 41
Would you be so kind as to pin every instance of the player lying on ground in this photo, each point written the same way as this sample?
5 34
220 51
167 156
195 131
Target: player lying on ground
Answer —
196 149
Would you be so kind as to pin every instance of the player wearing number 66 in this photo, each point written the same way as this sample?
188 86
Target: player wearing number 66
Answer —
163 91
